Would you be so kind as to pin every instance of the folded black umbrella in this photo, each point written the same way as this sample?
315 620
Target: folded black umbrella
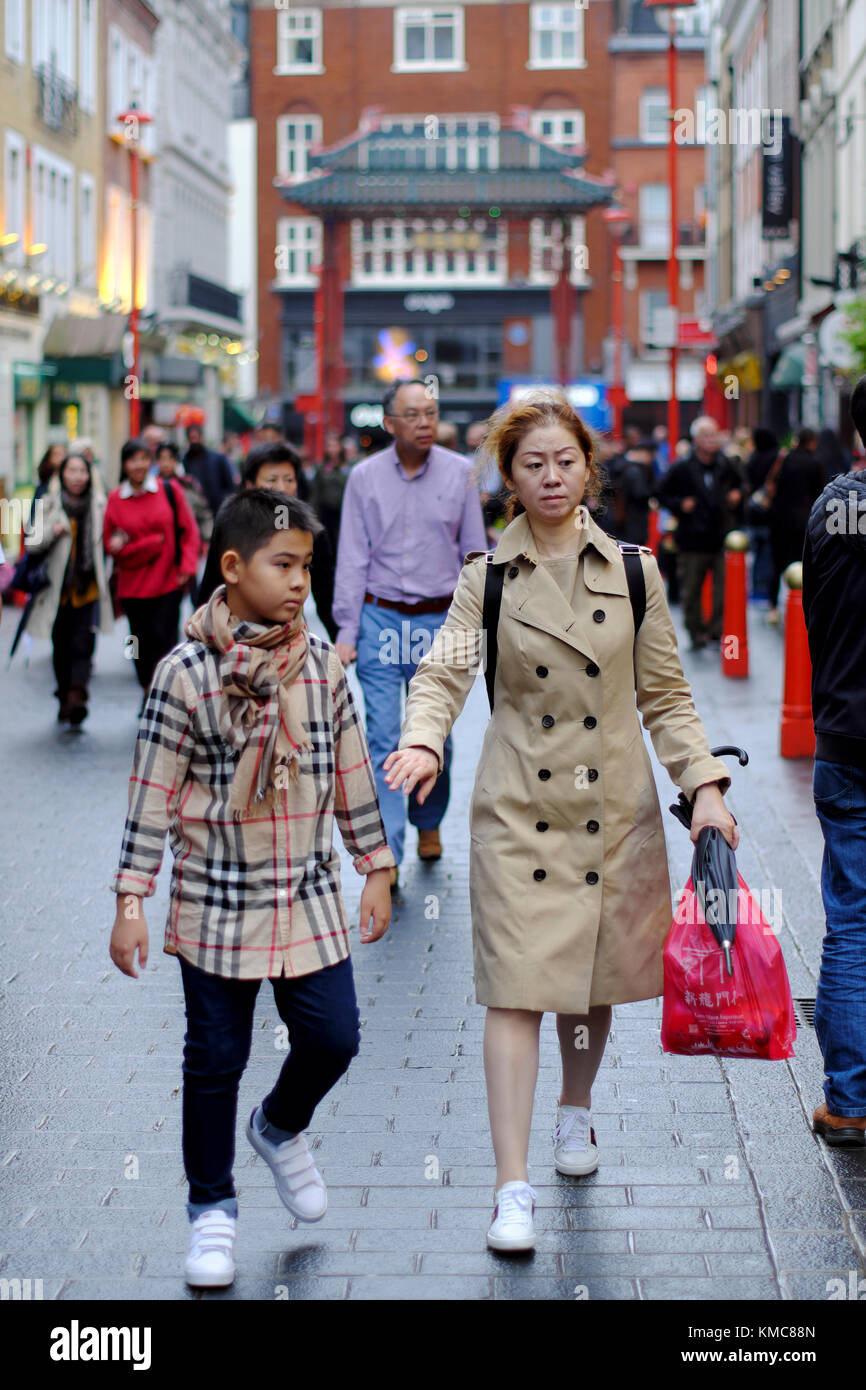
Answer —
714 869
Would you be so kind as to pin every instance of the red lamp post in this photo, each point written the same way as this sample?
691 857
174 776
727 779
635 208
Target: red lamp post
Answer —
616 218
132 121
663 12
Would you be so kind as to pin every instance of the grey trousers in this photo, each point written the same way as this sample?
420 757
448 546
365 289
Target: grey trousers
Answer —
692 566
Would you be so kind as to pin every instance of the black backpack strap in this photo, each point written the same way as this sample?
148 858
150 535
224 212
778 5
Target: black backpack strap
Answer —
490 620
635 579
169 492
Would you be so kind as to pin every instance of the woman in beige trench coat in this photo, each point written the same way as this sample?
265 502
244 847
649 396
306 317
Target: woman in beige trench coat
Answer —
569 886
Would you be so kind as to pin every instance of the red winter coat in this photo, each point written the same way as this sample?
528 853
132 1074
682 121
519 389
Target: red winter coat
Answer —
145 566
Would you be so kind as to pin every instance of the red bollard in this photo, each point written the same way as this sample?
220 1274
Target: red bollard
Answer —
735 634
654 535
707 597
797 732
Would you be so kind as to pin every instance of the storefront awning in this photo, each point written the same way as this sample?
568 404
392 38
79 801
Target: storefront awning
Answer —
787 375
73 335
236 418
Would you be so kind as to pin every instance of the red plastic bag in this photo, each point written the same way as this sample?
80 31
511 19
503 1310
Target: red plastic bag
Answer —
705 1010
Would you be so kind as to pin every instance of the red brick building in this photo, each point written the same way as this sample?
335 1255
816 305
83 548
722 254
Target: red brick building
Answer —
460 292
639 132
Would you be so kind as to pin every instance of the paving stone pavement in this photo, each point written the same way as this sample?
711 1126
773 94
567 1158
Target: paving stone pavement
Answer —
710 1186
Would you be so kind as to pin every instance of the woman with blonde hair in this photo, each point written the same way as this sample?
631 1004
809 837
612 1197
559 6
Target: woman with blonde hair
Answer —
569 885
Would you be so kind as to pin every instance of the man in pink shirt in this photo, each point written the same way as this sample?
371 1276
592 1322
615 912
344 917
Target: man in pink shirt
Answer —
410 515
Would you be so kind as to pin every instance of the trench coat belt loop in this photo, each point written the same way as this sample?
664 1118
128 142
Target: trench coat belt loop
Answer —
424 605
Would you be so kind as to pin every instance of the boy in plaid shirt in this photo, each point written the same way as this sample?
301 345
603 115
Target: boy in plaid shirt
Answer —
250 746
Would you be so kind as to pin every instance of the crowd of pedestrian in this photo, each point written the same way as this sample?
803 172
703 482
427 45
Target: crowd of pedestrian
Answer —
397 550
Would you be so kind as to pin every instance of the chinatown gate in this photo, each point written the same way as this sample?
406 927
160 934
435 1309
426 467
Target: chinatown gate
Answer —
406 205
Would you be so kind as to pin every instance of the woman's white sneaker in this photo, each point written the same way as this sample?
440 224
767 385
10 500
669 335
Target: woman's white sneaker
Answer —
512 1227
210 1262
299 1183
575 1151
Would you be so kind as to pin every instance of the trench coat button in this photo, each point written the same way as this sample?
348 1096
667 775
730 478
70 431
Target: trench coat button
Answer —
598 615
544 773
539 874
592 669
590 721
542 825
592 774
513 572
592 826
541 670
592 876
548 721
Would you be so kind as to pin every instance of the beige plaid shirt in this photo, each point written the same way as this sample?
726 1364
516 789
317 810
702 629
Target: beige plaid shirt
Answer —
260 897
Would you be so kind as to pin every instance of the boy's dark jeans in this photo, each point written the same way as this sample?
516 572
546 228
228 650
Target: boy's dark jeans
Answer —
320 1012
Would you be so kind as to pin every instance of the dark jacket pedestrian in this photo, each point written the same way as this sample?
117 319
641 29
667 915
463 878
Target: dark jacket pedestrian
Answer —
705 493
637 486
212 471
797 484
834 459
758 468
327 486
834 602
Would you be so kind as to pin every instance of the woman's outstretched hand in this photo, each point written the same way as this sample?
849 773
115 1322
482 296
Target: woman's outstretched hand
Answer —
710 809
408 768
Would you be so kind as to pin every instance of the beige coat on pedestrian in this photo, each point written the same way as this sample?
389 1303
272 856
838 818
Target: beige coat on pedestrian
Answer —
568 877
41 542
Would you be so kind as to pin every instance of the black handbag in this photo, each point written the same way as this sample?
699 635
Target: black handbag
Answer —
31 575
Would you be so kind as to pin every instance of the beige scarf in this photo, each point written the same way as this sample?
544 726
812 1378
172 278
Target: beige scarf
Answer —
257 665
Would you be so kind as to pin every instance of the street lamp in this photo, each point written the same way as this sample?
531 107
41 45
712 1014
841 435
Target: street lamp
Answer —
663 11
616 219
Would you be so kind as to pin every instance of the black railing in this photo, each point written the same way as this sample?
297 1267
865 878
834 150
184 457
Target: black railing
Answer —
56 99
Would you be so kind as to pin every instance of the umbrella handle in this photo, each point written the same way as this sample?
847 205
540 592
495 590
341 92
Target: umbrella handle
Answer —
730 749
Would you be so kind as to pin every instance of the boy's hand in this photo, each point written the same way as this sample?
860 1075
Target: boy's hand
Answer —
128 933
375 903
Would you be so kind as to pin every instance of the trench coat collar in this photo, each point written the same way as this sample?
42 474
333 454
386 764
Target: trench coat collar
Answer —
537 598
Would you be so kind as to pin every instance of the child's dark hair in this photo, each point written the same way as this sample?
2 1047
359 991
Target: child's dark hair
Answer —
247 521
167 446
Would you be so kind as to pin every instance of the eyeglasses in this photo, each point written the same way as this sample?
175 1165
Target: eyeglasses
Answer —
412 415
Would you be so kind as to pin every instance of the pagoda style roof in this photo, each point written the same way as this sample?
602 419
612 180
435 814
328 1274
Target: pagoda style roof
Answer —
387 173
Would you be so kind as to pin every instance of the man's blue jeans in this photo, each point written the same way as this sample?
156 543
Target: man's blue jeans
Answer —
840 1009
322 1021
390 645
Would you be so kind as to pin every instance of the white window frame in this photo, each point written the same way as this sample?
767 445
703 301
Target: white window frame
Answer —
654 231
409 16
86 267
54 29
558 138
302 238
646 311
15 31
14 199
115 77
374 241
148 103
54 218
543 238
650 99
88 19
300 147
287 34
538 25
446 138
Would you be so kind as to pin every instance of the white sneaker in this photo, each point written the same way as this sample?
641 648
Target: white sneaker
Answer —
512 1227
575 1152
210 1263
299 1183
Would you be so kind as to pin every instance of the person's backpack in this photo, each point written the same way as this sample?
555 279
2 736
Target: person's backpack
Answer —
172 500
493 603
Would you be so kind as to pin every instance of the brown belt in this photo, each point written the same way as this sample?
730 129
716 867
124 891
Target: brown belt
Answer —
425 605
